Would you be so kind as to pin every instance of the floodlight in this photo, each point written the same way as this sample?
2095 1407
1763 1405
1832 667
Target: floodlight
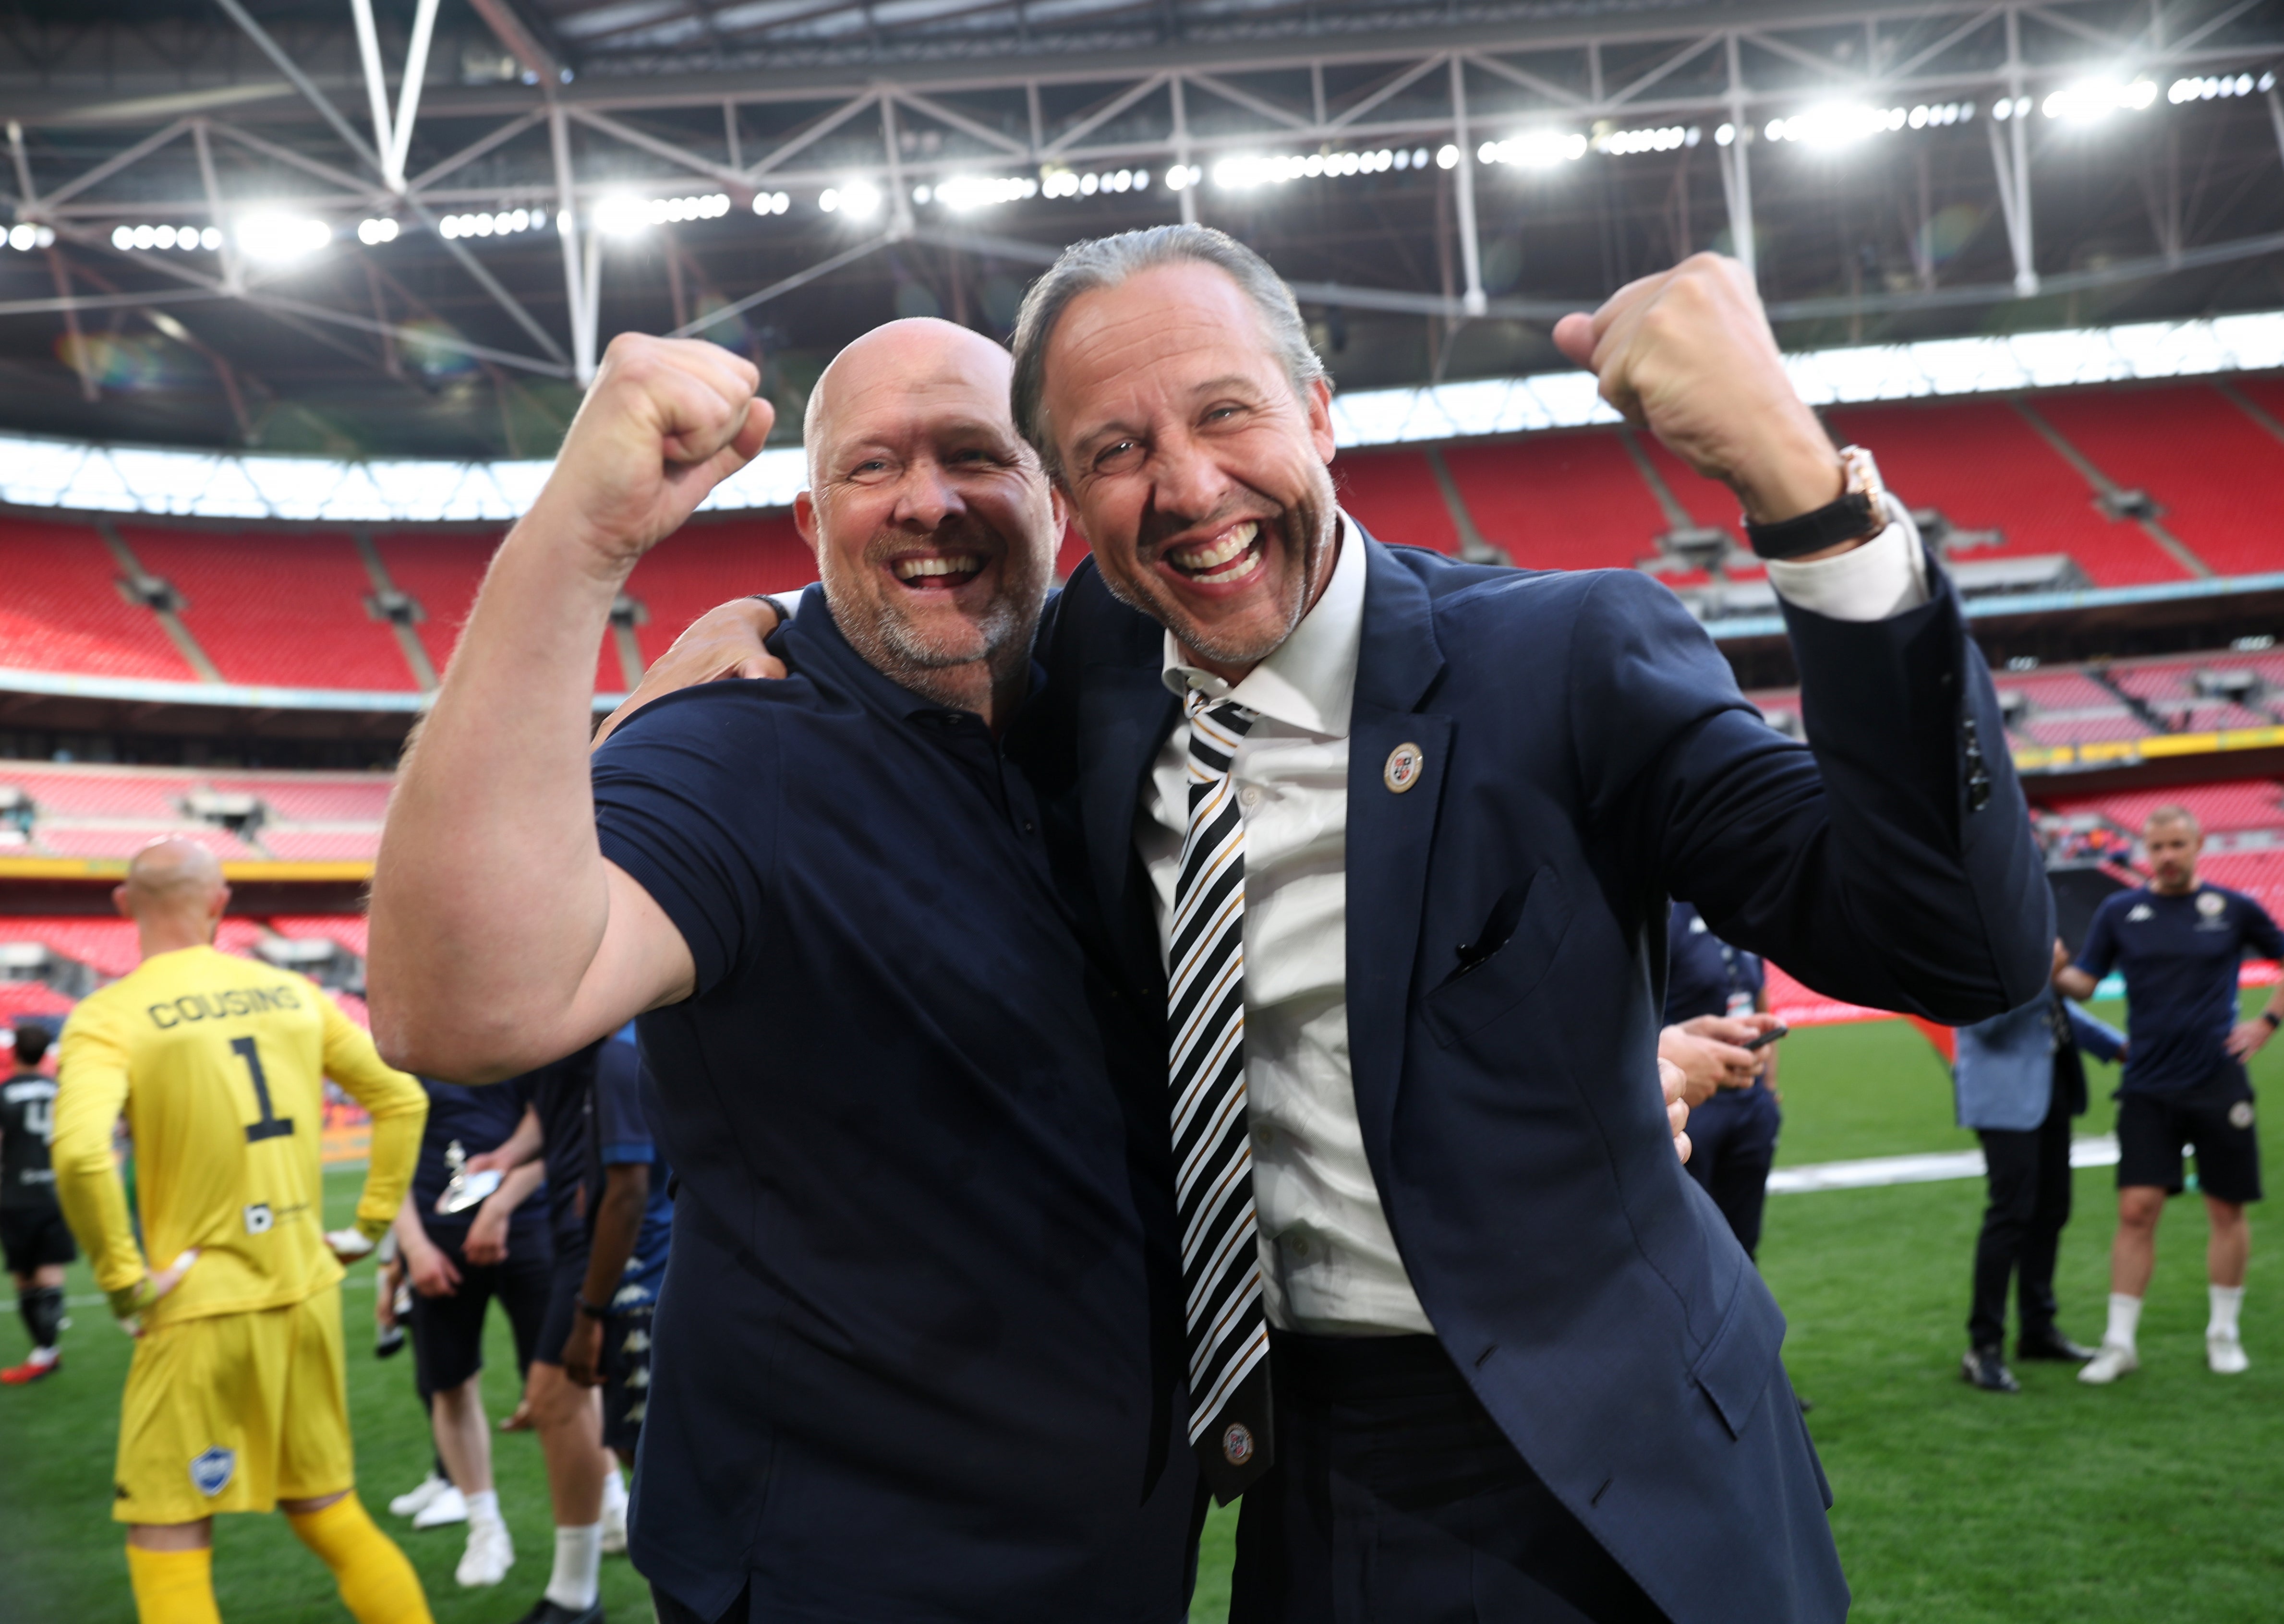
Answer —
622 216
2094 98
372 233
1446 156
281 238
962 192
858 199
771 202
1534 149
25 236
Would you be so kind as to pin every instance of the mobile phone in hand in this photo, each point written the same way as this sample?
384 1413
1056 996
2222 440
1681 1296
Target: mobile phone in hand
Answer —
1765 1039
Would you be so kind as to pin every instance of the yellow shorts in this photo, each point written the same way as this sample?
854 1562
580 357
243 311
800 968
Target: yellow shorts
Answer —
234 1413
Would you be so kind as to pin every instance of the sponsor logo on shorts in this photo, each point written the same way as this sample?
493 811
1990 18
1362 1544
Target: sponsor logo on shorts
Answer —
259 1219
211 1470
2239 1114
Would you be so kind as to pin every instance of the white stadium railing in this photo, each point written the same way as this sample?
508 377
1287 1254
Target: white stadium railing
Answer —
80 477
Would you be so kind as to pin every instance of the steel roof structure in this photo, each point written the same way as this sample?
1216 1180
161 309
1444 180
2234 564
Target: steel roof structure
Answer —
404 229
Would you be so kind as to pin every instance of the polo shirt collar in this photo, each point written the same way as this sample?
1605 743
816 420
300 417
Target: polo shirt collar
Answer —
815 639
1309 681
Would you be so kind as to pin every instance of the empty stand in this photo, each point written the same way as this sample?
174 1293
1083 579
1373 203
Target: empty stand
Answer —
2259 874
312 798
705 562
440 573
62 609
125 839
349 929
1560 500
99 792
109 946
2221 807
18 999
322 845
284 610
1396 496
2209 465
1984 467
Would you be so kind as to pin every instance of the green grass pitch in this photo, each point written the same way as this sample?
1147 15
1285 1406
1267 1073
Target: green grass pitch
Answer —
2153 1500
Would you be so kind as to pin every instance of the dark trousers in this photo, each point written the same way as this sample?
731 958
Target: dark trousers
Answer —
1396 1499
2030 1202
1733 1144
672 1611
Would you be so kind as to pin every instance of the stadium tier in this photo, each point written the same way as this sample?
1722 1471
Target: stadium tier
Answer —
2121 487
49 809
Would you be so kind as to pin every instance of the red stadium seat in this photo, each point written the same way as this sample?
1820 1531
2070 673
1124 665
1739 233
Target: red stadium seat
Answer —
2205 461
1396 496
1560 500
1984 467
277 610
63 611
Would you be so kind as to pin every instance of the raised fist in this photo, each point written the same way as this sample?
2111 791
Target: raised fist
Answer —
1687 354
665 422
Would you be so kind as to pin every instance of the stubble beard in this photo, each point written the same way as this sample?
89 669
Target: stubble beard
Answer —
956 677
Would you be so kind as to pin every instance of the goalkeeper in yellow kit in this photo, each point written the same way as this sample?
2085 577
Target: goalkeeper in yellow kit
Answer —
238 1398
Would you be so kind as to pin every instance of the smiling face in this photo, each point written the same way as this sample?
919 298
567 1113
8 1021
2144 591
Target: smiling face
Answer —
1193 468
933 527
2172 845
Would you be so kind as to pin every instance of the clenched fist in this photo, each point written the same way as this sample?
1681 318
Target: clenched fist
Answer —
1687 354
665 422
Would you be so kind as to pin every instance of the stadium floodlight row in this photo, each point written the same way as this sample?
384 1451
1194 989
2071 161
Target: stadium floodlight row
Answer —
88 477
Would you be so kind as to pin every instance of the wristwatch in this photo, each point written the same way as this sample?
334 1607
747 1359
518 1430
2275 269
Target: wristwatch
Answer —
1860 513
590 1310
2273 1019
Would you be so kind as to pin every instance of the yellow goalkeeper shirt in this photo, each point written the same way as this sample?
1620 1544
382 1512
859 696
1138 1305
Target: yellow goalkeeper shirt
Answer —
220 1064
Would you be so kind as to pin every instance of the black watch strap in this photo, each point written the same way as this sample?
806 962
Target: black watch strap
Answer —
2273 1019
591 1311
1853 518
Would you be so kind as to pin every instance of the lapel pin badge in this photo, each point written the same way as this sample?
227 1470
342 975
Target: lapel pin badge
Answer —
1402 769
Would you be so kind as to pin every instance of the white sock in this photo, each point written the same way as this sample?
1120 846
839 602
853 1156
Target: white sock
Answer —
49 1355
614 1489
483 1507
2124 1320
578 1568
2227 1299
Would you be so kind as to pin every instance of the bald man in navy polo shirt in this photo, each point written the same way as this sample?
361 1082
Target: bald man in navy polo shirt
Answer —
918 1354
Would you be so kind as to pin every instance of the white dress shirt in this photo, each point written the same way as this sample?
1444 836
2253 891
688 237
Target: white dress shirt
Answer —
1328 1262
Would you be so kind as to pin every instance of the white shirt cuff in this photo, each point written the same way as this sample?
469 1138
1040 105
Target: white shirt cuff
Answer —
789 603
1882 578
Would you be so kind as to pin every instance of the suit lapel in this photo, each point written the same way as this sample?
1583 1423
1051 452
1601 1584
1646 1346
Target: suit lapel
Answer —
1390 832
1124 715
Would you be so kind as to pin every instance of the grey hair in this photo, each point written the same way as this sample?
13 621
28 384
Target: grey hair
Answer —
1106 262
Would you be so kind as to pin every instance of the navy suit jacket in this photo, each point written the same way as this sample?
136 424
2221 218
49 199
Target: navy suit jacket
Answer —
1587 756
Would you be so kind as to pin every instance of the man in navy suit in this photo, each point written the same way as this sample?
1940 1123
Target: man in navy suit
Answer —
1517 1368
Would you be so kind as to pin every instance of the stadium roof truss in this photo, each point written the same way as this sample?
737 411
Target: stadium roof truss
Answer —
921 118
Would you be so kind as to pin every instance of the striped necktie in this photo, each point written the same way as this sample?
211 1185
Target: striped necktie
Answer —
1213 1160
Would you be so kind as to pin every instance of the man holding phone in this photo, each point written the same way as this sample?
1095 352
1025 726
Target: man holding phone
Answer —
1716 1004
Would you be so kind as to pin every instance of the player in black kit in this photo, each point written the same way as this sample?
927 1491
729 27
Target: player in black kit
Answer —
32 1227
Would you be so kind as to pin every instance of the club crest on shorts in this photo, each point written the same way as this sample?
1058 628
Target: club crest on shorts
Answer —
1402 769
211 1470
1237 1444
2239 1114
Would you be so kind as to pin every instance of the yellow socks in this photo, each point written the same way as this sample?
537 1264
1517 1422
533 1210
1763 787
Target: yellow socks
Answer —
378 1585
173 1587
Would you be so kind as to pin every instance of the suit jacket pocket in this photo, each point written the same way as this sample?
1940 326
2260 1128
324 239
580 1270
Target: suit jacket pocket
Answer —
1471 999
1736 1365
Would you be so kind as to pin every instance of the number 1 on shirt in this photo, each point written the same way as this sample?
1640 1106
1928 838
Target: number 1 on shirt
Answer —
271 1126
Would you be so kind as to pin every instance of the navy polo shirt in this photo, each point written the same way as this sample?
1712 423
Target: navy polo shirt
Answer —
2179 957
903 1358
477 1119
